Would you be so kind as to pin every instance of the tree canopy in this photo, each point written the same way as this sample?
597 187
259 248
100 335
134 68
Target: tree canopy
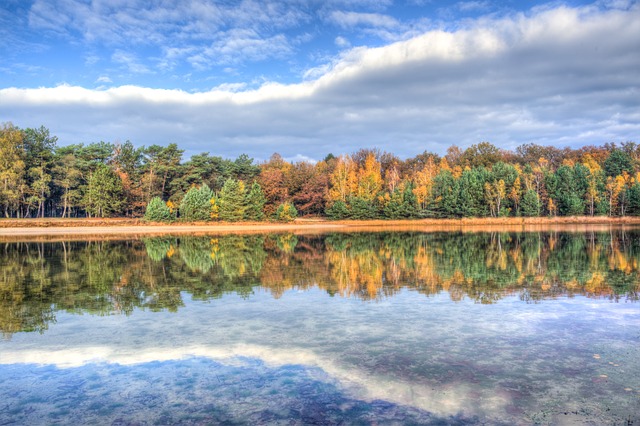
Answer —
38 178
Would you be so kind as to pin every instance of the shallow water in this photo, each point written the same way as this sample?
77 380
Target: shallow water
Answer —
368 328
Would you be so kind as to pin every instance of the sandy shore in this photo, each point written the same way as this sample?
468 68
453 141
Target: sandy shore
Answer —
98 229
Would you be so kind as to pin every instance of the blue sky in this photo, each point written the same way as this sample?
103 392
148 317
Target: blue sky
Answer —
305 78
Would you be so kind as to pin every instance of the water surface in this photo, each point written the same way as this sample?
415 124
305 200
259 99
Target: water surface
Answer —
360 328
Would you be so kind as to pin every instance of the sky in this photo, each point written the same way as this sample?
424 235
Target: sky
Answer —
305 78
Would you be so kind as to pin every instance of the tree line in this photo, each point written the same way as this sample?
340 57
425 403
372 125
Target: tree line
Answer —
38 178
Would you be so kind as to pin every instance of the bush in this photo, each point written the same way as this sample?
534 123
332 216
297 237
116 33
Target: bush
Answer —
157 211
286 213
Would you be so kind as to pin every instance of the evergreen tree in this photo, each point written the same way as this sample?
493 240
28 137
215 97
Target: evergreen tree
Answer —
445 192
634 199
255 203
104 195
157 211
402 204
196 204
286 212
471 192
232 200
617 162
337 211
530 204
39 148
571 186
362 209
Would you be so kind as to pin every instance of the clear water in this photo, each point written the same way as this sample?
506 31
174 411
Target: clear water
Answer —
368 328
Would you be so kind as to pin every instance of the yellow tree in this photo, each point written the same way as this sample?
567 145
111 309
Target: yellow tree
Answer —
595 174
369 179
613 188
343 180
516 190
494 193
626 182
423 183
12 167
444 164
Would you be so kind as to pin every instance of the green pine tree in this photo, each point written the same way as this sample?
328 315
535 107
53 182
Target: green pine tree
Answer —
196 204
232 200
530 205
337 211
104 194
157 211
255 203
286 212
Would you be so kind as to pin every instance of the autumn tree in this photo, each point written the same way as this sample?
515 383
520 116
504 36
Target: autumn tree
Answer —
273 181
594 183
423 183
343 182
495 192
312 196
369 179
12 168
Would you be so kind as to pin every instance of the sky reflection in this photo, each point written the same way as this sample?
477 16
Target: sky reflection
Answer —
501 362
167 332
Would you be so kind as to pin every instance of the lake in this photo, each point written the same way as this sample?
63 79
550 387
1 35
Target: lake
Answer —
332 328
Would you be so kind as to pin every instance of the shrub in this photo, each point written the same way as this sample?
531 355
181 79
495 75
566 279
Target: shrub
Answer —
286 212
157 211
337 211
196 204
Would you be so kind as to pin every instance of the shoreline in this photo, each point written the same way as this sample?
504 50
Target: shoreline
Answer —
97 229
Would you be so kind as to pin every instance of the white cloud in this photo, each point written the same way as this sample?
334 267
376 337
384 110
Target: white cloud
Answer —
194 31
242 45
104 79
472 6
353 19
299 158
554 77
342 42
129 62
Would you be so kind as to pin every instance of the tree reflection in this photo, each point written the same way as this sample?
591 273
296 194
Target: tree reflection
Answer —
103 278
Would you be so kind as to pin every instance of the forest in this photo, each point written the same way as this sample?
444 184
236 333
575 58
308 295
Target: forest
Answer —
39 178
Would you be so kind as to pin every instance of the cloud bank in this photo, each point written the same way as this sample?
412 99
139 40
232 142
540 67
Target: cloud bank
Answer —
556 75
